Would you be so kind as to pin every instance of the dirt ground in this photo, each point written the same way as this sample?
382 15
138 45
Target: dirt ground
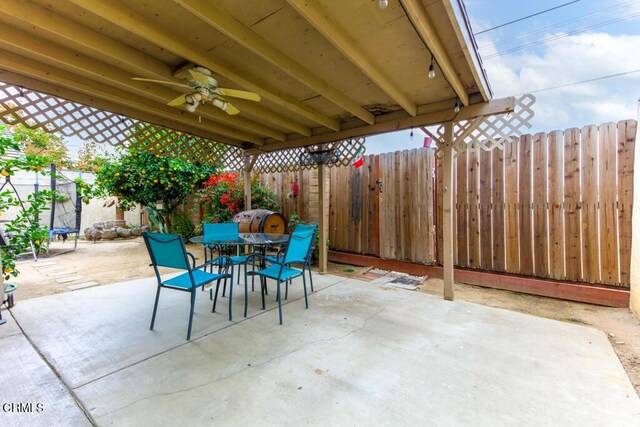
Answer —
115 261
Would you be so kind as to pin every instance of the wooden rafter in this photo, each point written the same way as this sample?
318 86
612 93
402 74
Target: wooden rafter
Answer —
499 106
57 91
127 19
223 21
21 43
349 48
418 15
101 47
28 67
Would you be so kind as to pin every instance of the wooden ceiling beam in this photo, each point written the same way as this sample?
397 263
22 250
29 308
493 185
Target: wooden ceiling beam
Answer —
322 22
224 22
127 19
18 64
42 50
421 21
498 106
101 47
101 104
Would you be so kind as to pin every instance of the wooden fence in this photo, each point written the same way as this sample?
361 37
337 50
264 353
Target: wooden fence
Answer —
554 205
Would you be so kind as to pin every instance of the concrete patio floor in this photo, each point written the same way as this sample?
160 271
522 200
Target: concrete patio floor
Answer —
363 354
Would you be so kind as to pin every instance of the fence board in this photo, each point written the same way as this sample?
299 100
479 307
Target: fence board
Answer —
462 209
512 241
591 261
572 220
486 225
556 196
626 145
438 212
607 203
497 176
525 204
540 231
473 200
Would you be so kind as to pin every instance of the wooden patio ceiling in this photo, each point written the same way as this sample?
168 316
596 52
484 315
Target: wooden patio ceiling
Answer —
326 69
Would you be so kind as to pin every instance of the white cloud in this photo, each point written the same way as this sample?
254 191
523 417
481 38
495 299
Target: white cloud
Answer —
568 60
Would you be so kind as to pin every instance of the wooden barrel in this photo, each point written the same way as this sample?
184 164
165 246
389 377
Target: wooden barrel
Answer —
260 221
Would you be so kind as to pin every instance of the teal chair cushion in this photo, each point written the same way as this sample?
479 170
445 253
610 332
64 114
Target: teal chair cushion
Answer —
199 277
273 270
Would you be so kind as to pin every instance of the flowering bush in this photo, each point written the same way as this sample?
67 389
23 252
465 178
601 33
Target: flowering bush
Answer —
222 196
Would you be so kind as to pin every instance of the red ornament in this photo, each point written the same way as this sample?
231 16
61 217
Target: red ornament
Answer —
295 188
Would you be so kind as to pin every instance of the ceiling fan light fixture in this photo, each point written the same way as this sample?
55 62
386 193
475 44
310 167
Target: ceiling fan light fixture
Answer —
220 104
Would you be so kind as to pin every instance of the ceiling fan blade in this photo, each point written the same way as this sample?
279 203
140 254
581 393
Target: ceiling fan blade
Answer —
251 96
161 82
231 110
200 78
178 101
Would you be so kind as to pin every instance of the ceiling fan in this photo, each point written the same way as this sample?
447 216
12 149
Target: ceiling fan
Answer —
204 88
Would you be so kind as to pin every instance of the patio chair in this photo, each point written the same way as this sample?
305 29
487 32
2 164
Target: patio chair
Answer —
167 250
226 231
299 228
297 251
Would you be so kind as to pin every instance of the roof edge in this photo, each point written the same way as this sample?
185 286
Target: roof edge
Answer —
458 15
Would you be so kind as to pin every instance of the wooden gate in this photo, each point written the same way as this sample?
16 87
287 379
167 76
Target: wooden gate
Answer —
353 208
407 230
385 208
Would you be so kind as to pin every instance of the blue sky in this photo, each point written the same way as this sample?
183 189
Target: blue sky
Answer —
592 38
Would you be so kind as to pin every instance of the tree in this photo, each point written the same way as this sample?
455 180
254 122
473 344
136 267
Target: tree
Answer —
222 196
92 156
158 184
41 143
24 229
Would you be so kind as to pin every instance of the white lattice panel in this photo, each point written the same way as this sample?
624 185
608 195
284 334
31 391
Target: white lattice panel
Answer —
289 160
58 115
491 132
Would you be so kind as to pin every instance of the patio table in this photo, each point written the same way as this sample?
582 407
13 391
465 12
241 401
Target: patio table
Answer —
261 240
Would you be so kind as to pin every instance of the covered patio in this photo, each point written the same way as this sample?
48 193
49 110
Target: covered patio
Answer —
329 74
364 353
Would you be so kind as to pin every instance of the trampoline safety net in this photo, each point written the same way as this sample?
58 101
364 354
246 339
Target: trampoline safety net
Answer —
66 210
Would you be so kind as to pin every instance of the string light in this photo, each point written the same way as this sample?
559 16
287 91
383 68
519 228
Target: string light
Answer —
432 68
383 4
411 135
456 108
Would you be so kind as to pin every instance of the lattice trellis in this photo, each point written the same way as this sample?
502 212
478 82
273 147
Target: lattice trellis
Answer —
58 115
289 160
166 142
490 132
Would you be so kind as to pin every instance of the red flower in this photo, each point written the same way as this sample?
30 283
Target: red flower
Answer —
295 188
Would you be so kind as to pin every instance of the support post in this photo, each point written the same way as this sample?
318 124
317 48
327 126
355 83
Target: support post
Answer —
323 200
634 273
248 165
447 211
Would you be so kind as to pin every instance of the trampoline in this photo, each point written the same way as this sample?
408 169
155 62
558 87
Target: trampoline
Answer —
66 210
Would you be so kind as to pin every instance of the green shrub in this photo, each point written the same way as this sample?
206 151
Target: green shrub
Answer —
183 225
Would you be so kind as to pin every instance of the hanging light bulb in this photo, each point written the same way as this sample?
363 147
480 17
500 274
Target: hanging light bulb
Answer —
383 4
456 108
411 135
432 69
